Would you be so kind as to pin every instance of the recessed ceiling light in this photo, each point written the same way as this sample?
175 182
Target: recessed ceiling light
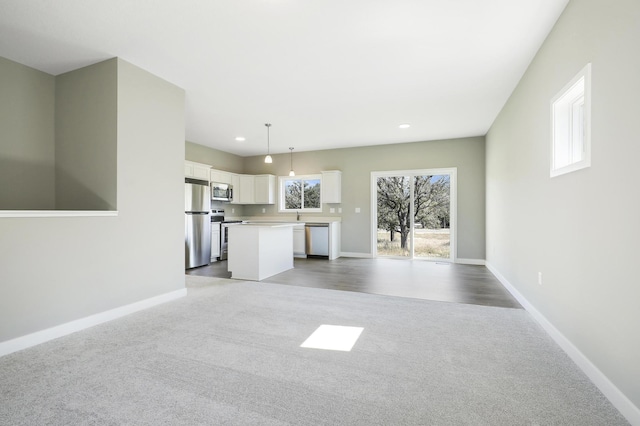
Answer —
240 139
404 126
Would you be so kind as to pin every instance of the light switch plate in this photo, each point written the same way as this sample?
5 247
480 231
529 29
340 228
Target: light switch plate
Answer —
332 210
357 209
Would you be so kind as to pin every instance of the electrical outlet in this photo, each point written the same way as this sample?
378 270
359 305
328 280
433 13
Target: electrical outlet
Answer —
540 278
233 210
264 210
332 210
357 209
339 209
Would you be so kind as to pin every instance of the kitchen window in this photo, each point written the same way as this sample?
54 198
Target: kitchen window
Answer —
300 193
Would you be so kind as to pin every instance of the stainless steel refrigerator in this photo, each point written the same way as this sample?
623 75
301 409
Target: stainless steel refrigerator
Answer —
197 223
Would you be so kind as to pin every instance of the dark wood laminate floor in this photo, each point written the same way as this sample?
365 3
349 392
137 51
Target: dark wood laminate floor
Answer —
416 279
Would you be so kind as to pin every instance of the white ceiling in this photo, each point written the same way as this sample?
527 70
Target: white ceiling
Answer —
325 73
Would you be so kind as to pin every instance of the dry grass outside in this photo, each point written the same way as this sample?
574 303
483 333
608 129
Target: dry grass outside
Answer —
428 243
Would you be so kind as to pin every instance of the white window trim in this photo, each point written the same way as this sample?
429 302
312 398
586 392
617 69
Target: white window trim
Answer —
585 74
282 179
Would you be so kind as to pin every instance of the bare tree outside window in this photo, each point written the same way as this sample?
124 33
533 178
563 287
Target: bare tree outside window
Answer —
302 194
293 195
430 210
312 194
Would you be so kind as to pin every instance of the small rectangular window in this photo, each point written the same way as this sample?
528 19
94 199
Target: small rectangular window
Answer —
300 193
571 125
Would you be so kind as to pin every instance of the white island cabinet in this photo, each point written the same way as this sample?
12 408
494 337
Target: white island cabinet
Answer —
259 251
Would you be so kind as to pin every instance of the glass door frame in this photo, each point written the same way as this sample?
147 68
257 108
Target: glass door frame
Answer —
452 172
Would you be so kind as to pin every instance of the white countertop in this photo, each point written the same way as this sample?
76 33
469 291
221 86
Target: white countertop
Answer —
270 224
280 219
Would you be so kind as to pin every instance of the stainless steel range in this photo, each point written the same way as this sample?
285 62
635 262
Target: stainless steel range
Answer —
217 219
224 237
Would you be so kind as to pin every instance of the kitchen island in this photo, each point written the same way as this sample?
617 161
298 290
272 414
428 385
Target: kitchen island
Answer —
260 250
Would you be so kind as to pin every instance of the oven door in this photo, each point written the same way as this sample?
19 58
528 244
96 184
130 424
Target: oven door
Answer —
224 238
224 241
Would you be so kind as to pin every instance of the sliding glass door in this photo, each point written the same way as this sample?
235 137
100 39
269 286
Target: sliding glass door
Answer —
393 216
432 216
413 214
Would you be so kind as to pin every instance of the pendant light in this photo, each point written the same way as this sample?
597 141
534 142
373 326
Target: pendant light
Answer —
268 158
291 173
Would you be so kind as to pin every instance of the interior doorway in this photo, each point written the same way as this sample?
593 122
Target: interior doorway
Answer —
414 214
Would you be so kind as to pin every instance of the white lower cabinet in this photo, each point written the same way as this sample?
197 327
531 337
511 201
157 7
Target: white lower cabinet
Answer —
299 241
334 240
215 241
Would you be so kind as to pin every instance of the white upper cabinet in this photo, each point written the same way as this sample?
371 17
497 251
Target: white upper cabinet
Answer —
331 186
265 189
235 183
233 179
220 176
196 170
260 189
247 189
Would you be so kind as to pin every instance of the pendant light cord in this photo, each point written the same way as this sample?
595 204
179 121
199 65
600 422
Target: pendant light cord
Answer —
291 173
268 138
267 158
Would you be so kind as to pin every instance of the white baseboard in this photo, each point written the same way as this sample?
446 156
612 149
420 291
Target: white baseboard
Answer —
42 336
479 262
353 254
613 394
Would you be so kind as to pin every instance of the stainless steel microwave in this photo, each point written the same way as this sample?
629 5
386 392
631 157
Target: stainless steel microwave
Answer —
221 191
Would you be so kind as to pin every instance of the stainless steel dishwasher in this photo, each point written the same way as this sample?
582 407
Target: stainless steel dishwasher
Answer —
316 239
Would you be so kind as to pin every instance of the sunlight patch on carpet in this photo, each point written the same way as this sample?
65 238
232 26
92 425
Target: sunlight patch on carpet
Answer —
333 337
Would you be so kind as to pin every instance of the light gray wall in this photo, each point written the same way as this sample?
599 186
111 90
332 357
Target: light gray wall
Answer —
27 156
217 159
86 126
356 164
55 270
581 229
